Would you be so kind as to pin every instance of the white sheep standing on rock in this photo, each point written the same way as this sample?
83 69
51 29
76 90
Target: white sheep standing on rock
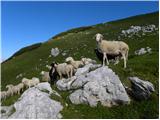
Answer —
112 48
75 64
64 69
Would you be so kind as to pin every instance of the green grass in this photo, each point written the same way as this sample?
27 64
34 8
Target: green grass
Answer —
80 43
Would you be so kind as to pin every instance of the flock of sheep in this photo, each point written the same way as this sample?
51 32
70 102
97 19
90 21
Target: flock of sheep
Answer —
105 50
17 89
116 49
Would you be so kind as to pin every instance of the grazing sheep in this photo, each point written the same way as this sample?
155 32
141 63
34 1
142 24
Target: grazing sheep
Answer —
12 89
112 48
19 87
3 94
64 69
29 83
110 57
75 64
45 76
53 73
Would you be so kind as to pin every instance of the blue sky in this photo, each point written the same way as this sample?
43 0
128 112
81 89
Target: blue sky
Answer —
25 23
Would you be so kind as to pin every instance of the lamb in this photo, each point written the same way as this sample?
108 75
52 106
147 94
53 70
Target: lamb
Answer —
75 64
3 94
64 69
12 89
112 48
29 83
19 87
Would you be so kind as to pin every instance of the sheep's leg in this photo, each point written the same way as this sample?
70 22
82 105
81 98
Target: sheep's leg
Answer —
105 58
127 55
12 93
68 74
124 57
60 75
71 73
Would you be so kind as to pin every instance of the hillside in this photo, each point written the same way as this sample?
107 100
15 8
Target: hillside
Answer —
79 42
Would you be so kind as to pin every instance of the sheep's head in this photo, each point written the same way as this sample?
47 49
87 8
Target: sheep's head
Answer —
84 60
54 64
69 59
24 80
99 37
9 86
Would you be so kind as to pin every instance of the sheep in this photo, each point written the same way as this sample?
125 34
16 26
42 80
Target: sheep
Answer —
87 61
64 69
29 83
19 87
12 89
110 57
75 64
45 76
53 73
112 48
3 94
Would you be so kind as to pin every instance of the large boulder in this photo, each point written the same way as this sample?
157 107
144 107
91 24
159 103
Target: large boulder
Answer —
98 85
35 103
78 80
141 89
45 86
103 86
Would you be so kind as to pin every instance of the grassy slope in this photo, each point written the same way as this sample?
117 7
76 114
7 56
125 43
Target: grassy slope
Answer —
80 42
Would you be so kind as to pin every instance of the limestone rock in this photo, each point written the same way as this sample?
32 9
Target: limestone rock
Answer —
34 103
141 89
55 52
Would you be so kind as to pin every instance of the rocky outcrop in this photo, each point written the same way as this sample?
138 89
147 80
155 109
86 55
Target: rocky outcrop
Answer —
35 103
6 111
55 52
143 51
100 84
139 30
78 80
141 89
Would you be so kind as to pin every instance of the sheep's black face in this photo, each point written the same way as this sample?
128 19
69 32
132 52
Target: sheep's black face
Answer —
52 64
